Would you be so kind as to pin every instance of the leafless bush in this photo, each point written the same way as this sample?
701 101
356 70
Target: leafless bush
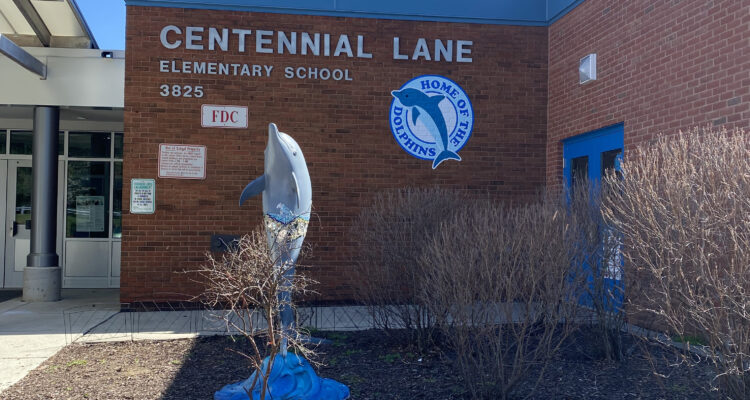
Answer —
597 246
683 210
505 276
392 233
244 286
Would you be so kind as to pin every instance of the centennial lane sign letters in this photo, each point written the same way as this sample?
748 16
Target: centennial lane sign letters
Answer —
200 40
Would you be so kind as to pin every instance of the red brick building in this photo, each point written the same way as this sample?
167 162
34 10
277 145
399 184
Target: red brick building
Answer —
660 67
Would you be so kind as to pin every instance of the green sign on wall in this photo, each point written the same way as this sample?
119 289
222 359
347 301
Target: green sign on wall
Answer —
142 196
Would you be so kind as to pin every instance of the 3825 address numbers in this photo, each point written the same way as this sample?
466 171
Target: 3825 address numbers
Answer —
181 91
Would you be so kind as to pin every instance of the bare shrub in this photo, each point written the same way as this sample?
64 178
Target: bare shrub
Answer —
505 276
683 210
243 285
392 233
597 248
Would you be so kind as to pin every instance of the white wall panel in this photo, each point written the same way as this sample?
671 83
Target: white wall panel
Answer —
85 258
116 251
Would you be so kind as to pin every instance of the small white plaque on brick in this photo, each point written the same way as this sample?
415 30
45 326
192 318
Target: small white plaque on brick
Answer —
182 161
213 116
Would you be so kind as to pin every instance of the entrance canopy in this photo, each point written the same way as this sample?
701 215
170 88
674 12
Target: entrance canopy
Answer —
71 118
75 77
41 23
49 57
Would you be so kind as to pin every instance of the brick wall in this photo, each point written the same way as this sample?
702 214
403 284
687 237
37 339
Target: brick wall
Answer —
342 128
662 66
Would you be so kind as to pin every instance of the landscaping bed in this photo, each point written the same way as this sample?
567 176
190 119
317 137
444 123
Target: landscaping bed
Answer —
373 367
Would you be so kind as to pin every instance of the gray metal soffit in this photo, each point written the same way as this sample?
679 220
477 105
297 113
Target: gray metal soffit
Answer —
37 24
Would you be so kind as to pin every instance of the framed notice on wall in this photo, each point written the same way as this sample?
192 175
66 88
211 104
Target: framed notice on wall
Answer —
89 214
182 161
142 196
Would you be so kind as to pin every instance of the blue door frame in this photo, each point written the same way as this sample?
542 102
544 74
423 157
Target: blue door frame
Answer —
588 153
592 145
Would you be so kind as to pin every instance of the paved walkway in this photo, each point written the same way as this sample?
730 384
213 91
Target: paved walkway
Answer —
32 332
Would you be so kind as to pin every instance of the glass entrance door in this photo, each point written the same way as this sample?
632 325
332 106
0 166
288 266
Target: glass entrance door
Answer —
16 177
3 231
18 221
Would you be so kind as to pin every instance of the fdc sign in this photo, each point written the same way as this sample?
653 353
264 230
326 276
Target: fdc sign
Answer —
223 116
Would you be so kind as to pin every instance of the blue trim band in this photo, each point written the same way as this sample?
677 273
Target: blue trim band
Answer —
557 9
501 12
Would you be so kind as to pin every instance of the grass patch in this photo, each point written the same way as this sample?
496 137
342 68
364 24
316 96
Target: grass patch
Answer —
77 363
690 339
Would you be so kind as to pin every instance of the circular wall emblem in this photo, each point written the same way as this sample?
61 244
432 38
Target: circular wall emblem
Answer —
431 118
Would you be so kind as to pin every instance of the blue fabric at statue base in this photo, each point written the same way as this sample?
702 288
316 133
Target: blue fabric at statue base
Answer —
291 378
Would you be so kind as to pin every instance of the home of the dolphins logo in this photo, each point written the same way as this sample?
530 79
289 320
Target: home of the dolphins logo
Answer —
431 118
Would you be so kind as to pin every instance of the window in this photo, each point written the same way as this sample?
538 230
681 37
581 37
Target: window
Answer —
21 142
117 202
93 196
89 145
609 161
118 145
87 208
23 195
579 170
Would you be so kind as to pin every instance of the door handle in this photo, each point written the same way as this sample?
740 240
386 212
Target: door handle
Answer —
14 228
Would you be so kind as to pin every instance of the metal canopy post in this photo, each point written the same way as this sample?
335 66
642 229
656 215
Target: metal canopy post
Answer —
42 278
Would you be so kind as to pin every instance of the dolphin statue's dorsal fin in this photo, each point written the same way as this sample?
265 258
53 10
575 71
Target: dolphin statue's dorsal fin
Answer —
436 99
254 188
414 115
296 188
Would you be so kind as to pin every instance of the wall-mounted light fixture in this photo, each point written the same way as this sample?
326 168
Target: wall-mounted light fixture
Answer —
587 69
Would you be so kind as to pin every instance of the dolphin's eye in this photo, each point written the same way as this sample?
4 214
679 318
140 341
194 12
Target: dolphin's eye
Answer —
294 153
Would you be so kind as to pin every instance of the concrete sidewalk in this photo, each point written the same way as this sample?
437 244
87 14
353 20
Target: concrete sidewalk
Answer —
32 332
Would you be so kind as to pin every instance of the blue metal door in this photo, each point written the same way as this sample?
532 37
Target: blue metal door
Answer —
592 153
586 158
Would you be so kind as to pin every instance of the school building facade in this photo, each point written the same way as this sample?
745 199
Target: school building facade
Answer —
525 93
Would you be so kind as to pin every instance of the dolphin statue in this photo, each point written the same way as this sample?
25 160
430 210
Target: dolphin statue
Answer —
426 109
287 201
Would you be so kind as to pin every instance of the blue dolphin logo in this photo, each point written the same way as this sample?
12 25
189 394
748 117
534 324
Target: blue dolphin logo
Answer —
427 110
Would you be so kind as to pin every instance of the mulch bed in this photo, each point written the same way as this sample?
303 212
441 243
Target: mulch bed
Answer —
373 367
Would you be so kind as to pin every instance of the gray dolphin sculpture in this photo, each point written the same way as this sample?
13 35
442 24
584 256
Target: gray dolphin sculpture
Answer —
287 201
427 110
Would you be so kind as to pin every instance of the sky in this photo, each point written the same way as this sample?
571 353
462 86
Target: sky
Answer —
106 19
